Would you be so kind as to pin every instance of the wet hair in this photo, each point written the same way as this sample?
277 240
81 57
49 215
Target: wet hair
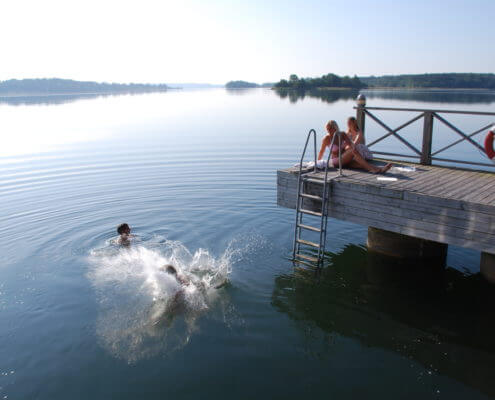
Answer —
122 228
170 269
353 121
332 125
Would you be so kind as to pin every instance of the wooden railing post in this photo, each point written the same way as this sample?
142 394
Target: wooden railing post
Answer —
427 138
360 114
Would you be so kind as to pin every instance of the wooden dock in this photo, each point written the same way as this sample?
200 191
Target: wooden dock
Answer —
417 208
446 205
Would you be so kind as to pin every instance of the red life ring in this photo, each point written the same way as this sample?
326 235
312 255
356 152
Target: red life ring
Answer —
489 143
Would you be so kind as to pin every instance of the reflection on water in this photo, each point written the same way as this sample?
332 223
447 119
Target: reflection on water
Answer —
241 92
49 100
326 95
441 319
435 96
424 96
55 99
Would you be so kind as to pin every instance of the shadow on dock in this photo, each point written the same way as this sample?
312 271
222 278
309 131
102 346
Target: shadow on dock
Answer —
437 317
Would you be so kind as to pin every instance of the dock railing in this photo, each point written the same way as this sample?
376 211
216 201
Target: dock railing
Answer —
425 154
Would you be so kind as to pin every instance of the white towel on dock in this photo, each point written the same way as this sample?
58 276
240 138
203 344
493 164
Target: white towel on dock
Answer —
320 164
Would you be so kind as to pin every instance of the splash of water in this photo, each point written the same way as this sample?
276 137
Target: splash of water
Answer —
143 309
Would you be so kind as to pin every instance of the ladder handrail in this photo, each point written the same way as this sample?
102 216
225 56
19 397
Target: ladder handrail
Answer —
324 205
311 131
324 208
324 197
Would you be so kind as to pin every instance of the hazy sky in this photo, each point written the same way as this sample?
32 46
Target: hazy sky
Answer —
217 41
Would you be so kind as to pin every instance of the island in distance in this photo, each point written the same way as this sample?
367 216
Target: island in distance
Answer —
55 86
246 85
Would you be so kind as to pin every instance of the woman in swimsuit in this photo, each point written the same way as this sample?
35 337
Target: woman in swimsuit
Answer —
357 138
351 154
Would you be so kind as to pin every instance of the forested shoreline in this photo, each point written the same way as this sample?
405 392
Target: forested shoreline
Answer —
246 85
51 86
410 81
328 80
69 86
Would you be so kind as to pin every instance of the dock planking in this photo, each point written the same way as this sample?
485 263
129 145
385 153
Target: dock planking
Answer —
443 204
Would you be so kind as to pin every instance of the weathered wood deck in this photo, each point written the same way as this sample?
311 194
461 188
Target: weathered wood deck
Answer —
447 205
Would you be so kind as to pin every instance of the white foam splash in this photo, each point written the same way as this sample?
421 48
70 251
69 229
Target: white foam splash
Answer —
145 310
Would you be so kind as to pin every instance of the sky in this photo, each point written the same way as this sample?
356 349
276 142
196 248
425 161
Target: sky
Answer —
260 41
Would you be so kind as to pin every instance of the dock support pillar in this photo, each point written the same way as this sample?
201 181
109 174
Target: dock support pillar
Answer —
425 252
487 266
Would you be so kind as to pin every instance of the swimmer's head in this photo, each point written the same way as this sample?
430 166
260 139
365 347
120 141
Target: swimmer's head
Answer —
170 269
123 229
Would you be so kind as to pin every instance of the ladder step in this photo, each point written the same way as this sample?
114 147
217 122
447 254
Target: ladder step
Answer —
316 214
308 243
309 258
311 228
304 263
311 196
314 180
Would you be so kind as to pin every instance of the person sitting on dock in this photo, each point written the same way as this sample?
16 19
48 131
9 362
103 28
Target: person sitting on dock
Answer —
351 156
357 137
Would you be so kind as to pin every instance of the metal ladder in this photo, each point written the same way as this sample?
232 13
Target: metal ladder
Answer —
303 180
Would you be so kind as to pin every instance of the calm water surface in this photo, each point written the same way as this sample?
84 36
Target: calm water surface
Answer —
194 174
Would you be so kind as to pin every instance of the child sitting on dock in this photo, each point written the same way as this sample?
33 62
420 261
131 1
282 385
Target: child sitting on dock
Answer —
351 156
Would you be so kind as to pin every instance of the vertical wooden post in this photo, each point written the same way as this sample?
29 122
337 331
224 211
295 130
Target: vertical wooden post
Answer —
360 114
427 138
487 266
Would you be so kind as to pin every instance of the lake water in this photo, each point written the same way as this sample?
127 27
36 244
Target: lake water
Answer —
194 174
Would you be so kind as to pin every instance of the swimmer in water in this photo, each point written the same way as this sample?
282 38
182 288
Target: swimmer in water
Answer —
170 269
177 302
124 230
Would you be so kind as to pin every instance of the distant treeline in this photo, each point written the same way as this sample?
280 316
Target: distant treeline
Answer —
68 86
328 80
245 85
446 81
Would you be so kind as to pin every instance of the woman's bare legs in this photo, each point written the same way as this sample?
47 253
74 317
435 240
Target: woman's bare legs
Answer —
353 159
